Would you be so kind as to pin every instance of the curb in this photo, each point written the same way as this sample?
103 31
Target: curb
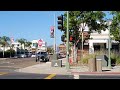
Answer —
3 58
95 73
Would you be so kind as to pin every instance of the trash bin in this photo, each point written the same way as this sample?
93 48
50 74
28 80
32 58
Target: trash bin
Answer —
104 60
92 64
99 65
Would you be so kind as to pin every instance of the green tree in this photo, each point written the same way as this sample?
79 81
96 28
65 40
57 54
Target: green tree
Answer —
28 44
22 41
11 49
50 50
115 26
93 19
4 41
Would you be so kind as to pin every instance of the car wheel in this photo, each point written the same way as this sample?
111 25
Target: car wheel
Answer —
36 59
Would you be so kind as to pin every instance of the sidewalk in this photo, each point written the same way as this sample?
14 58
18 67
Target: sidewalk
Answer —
3 58
45 68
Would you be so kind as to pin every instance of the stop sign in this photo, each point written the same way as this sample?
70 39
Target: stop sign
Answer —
40 42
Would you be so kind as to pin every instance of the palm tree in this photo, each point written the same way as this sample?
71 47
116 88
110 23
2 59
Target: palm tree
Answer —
4 41
22 41
11 48
28 44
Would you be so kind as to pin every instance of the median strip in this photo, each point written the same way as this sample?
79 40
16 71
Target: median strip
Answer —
50 76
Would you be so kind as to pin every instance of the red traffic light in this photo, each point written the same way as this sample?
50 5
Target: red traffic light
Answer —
71 38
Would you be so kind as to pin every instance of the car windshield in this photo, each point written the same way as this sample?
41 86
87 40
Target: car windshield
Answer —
43 52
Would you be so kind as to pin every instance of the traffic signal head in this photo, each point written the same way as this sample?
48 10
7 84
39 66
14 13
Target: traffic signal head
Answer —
63 38
60 22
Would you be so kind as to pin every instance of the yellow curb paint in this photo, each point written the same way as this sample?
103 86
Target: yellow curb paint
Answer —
2 73
50 76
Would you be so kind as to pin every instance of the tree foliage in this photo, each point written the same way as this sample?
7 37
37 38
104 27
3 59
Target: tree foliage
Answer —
4 41
22 41
115 25
93 19
28 43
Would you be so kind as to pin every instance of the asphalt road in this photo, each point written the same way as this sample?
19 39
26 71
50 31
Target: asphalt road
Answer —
17 75
8 67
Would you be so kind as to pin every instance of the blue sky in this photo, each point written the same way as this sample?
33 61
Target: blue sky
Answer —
30 25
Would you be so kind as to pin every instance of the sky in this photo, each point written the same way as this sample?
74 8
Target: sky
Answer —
30 25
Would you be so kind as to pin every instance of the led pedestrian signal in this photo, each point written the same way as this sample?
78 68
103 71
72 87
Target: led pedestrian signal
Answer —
60 22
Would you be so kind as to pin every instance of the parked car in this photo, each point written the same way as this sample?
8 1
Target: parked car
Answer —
42 56
62 55
29 54
33 55
22 56
58 56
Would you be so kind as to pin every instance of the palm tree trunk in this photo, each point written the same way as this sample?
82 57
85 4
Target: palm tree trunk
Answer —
21 49
24 49
3 51
10 51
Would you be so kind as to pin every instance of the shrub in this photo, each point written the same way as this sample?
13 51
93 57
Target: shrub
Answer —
7 54
87 57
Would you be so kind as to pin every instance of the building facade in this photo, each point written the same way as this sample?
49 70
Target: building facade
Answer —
36 47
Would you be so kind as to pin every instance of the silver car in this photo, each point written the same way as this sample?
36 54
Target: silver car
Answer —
42 56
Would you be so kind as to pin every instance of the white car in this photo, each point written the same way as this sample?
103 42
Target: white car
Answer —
33 55
22 55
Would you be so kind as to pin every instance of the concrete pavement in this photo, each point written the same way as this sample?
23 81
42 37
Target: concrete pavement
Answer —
45 68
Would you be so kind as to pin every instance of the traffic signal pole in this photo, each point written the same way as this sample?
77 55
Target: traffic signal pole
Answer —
67 57
61 27
54 34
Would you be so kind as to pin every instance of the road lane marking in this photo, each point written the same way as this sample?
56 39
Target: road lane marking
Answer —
50 76
76 76
2 73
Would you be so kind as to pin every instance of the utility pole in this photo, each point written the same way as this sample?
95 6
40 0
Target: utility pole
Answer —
82 46
67 57
109 46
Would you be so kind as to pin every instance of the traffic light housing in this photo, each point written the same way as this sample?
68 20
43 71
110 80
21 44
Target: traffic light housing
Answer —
60 22
63 38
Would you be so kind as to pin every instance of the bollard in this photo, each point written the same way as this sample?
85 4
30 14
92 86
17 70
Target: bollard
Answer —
92 64
99 65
